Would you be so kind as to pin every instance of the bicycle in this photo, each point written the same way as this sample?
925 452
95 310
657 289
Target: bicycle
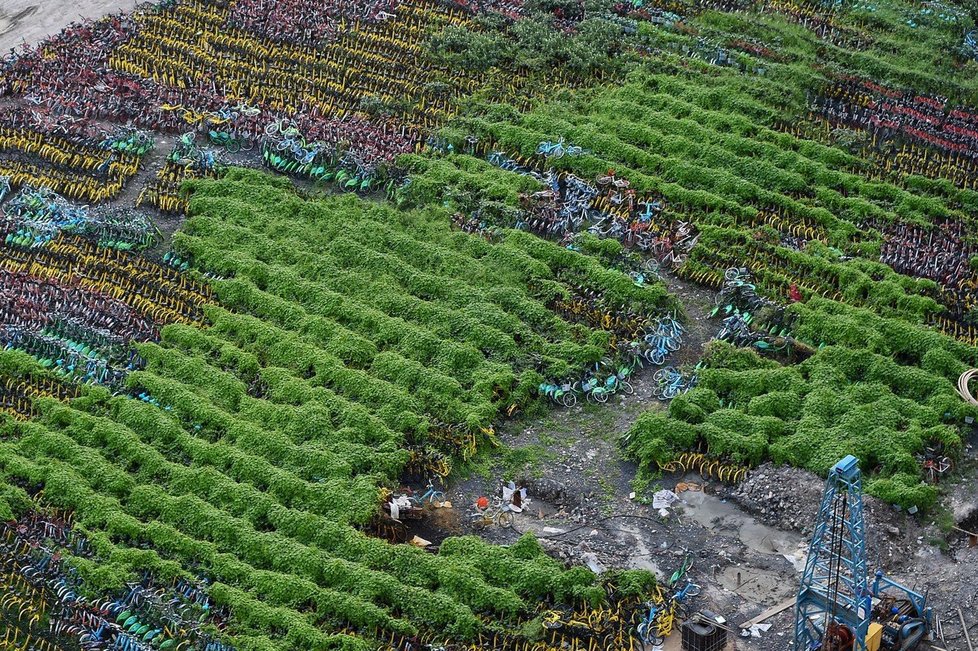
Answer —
496 513
430 496
647 629
231 143
562 394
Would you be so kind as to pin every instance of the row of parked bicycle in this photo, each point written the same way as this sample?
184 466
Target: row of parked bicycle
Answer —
890 113
819 17
82 165
304 23
42 598
146 69
18 394
77 308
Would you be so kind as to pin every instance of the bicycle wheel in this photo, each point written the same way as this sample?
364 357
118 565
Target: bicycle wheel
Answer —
626 387
505 519
642 631
682 611
233 145
569 399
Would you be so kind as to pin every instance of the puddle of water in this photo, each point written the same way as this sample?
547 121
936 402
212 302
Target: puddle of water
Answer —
725 517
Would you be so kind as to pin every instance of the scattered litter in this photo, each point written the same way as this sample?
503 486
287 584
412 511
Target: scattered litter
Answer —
553 530
516 498
631 495
592 562
398 504
755 630
418 541
688 486
447 504
663 499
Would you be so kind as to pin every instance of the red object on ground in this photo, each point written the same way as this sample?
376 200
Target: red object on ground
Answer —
482 503
794 293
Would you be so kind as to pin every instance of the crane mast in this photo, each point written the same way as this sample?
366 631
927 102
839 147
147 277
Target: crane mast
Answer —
833 608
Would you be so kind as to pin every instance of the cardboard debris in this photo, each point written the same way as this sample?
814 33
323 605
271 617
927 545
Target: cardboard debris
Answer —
516 499
418 541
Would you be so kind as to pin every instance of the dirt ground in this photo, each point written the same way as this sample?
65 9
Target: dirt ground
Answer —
32 20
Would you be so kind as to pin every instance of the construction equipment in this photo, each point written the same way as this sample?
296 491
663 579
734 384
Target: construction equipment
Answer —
836 609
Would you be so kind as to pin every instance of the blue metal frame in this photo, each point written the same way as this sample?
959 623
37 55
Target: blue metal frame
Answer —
918 600
853 603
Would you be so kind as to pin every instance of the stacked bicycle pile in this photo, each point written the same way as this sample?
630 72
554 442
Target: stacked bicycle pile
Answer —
668 608
626 620
35 216
355 154
751 320
78 308
187 160
608 208
600 381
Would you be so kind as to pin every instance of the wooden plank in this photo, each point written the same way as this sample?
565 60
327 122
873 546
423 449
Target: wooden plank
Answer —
770 612
964 626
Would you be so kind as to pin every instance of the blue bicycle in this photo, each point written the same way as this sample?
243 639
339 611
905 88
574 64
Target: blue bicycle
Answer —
430 496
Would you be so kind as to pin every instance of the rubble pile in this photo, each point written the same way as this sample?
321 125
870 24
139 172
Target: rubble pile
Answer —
788 498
